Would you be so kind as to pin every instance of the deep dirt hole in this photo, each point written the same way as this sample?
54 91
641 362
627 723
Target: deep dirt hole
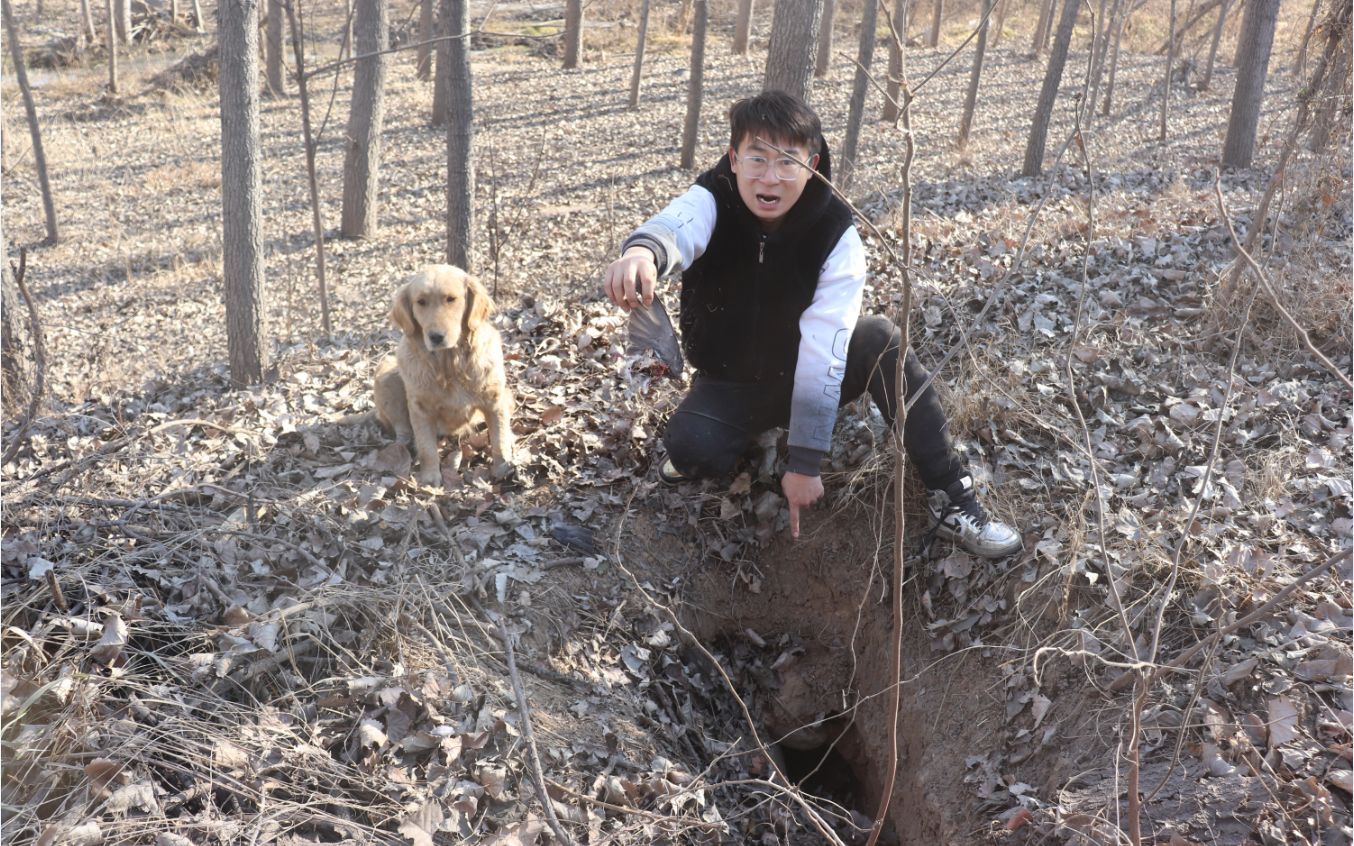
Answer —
826 700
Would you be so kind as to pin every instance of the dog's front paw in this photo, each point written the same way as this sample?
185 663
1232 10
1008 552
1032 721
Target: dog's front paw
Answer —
429 477
504 468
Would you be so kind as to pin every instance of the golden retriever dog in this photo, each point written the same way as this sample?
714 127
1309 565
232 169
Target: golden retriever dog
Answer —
447 373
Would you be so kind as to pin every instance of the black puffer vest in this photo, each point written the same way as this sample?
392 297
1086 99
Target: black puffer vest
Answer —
742 299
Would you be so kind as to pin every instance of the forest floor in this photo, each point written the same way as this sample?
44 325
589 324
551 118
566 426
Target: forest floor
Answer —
230 616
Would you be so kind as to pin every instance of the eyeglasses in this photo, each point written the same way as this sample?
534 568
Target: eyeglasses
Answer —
756 167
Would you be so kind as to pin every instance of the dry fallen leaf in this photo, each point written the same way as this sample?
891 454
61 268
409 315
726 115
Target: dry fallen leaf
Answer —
109 647
1283 721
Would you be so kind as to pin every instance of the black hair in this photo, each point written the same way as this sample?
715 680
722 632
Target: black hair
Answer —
776 116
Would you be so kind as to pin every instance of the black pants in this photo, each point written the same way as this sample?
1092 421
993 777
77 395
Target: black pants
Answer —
719 419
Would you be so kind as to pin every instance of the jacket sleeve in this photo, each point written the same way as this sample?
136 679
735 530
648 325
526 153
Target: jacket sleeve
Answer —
824 336
679 234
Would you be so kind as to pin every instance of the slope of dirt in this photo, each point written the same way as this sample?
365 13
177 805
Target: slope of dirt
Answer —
230 617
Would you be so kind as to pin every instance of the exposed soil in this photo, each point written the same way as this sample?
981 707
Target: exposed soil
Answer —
230 616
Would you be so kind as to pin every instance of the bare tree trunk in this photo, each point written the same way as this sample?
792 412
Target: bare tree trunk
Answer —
933 39
1100 47
241 176
1057 59
317 223
640 38
39 157
362 160
460 136
1335 101
174 10
16 343
112 50
440 72
573 34
1300 64
276 68
1247 11
199 24
425 36
893 88
87 24
825 39
790 55
1213 48
695 88
869 23
971 96
122 9
1003 6
1114 60
1170 69
1041 28
1257 39
743 28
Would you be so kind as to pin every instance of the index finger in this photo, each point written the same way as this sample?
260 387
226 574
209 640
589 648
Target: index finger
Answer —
794 520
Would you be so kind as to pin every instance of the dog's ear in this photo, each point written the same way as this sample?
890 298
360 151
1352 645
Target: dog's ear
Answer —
478 303
402 310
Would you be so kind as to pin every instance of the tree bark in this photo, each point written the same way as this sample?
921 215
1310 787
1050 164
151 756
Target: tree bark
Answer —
1257 39
573 34
790 55
1247 11
869 24
31 110
16 343
933 39
241 199
276 69
122 11
1299 65
695 89
1213 48
174 10
742 30
460 136
897 43
199 24
362 160
825 39
1170 70
1003 6
440 72
1041 28
316 223
637 73
1114 60
87 24
1034 150
971 96
1100 47
1336 99
425 36
112 50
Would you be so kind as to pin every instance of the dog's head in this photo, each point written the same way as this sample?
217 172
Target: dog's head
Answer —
440 306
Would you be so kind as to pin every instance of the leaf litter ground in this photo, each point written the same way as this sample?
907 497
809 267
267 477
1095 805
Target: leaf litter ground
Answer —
228 614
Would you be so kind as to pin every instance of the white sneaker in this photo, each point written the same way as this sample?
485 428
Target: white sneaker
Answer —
960 518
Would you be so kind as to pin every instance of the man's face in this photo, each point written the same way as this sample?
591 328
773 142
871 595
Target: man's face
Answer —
769 181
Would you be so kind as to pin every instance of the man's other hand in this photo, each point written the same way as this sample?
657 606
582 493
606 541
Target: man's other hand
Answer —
630 279
801 491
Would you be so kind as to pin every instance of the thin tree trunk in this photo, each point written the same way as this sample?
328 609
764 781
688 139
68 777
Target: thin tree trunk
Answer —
1034 150
174 10
869 23
971 96
1336 99
316 221
695 88
898 41
790 55
362 161
1003 6
1100 49
1041 28
276 76
1256 42
1170 71
573 34
1300 64
123 11
112 50
640 39
460 136
743 28
440 72
933 39
425 37
39 157
87 24
1114 61
825 39
1213 48
199 25
241 201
